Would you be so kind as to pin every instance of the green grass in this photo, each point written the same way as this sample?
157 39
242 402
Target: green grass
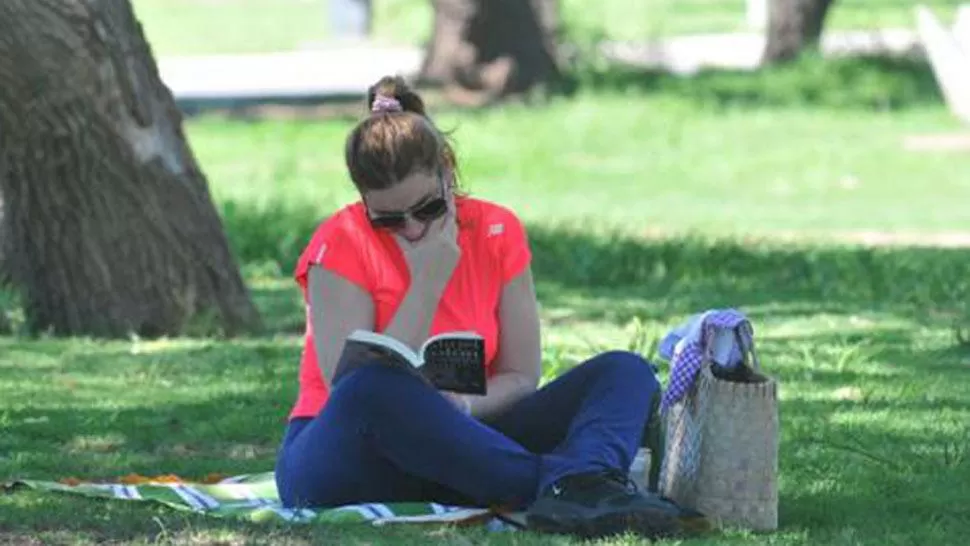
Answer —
647 198
875 437
206 26
814 151
646 153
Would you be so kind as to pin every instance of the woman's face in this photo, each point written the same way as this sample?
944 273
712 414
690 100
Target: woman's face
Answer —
409 207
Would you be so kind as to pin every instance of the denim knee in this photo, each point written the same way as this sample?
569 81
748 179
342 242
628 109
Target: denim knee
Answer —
371 387
371 377
625 366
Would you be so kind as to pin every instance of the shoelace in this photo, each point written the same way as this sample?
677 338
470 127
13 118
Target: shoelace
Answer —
623 479
615 476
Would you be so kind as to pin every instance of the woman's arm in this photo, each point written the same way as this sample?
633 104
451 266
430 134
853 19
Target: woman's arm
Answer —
519 360
337 308
430 263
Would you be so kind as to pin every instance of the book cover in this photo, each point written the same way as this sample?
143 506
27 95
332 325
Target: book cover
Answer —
452 361
456 362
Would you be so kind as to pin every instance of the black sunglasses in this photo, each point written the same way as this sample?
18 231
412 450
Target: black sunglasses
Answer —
428 211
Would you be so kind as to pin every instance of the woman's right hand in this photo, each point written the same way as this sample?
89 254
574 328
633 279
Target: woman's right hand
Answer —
432 260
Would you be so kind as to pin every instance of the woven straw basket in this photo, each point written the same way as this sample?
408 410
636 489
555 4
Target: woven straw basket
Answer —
722 448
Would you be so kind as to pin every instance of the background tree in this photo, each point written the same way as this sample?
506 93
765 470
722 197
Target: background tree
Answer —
793 27
496 47
5 327
110 226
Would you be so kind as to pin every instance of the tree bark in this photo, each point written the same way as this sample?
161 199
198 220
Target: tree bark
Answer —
793 27
4 251
498 47
5 326
112 230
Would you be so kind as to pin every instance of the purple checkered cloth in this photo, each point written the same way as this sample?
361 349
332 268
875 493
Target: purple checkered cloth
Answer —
691 353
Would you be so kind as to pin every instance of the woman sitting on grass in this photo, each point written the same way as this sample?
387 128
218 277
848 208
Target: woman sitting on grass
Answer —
412 259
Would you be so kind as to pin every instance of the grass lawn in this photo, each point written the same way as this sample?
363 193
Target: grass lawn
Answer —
643 207
207 26
654 166
815 151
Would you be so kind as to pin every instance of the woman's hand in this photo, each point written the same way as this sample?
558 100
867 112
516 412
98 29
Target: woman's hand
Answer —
432 260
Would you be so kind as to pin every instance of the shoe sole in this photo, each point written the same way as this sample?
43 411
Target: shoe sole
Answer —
652 525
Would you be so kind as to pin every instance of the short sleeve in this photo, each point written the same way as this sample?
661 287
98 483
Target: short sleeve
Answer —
515 253
333 248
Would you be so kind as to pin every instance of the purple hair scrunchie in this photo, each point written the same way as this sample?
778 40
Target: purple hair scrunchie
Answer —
386 104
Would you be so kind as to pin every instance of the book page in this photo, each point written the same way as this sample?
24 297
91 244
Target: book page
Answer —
358 353
389 343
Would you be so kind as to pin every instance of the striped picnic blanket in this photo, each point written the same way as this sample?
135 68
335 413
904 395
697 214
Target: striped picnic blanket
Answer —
253 497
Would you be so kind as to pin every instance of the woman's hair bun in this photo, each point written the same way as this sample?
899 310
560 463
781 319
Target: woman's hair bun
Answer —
392 94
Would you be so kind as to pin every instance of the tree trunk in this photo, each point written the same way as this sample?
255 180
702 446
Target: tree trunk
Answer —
4 251
5 326
794 26
497 47
112 230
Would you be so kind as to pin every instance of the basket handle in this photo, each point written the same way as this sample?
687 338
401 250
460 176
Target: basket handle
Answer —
746 343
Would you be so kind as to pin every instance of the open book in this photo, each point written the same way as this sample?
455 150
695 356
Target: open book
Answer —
451 361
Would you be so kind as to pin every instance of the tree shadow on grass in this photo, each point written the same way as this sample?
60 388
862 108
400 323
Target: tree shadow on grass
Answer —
872 446
859 83
600 275
877 468
216 409
615 278
191 411
869 478
880 484
903 347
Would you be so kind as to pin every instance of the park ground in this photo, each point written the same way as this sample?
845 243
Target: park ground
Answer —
646 199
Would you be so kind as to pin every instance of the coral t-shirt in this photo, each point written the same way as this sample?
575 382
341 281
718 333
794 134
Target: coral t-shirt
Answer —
494 249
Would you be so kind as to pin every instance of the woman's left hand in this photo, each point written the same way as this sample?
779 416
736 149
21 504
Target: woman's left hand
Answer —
460 401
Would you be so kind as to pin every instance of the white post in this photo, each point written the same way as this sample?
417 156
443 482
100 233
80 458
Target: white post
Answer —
950 62
757 14
961 28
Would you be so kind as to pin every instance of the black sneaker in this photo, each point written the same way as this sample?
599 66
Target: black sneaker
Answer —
600 504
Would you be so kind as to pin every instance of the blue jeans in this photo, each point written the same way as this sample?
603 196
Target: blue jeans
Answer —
385 436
